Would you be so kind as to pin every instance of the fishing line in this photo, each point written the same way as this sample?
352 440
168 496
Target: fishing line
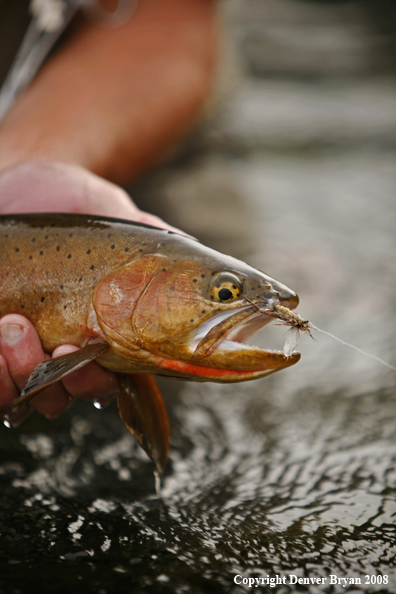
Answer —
352 346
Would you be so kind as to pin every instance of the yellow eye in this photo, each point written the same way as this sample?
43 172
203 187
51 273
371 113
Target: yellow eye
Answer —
225 287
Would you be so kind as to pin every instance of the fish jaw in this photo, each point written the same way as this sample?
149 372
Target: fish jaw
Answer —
228 359
184 370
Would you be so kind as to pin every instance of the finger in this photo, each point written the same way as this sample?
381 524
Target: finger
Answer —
91 382
21 348
8 392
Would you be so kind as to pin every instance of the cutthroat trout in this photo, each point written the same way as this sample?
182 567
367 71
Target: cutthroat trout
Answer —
140 301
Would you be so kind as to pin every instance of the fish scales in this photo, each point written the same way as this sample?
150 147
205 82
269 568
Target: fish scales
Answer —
50 266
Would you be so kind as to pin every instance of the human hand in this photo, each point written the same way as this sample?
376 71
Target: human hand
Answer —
47 186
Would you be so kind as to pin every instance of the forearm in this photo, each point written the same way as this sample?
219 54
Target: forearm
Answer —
116 100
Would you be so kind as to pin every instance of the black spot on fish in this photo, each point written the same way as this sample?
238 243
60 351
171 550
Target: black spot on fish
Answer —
175 260
46 237
191 321
79 280
218 285
41 252
69 256
92 267
65 307
112 247
234 286
33 239
89 251
22 307
61 286
144 244
203 311
109 235
30 257
17 249
127 249
164 270
42 299
140 250
194 280
57 248
202 276
70 234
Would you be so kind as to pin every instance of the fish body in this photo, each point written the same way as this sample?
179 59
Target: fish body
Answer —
156 301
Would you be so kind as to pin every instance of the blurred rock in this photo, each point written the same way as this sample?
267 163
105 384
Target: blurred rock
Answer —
294 114
203 200
294 38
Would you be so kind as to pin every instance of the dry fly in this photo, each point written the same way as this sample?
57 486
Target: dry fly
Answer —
286 317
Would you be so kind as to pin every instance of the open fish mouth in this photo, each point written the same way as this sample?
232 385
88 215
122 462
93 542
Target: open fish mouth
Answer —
219 351
228 331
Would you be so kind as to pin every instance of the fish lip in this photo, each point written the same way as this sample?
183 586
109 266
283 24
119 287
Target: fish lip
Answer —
187 370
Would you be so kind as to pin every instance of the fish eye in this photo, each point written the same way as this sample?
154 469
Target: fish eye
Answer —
225 287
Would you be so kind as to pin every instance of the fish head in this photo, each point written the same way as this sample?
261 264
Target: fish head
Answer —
188 311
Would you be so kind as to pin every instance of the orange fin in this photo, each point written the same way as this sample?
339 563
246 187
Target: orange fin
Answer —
143 411
51 371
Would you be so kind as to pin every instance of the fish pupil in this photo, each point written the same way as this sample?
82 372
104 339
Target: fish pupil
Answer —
225 294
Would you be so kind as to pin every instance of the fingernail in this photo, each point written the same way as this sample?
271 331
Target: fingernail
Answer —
11 334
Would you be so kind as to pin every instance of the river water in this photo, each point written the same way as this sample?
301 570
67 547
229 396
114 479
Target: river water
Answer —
293 475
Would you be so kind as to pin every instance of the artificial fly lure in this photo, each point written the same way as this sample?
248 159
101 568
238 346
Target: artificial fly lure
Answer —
287 317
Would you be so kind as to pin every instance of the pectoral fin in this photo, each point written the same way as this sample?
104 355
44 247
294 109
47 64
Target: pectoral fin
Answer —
143 411
51 371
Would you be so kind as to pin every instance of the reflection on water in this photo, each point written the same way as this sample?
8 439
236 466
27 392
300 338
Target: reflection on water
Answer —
256 486
293 474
